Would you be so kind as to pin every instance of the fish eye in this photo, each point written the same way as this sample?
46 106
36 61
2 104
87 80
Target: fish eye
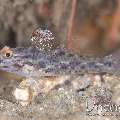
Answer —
8 55
6 52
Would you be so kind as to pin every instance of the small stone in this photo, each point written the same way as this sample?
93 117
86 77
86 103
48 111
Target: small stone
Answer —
22 95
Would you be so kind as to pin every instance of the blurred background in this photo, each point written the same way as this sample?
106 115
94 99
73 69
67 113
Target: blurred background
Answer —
83 26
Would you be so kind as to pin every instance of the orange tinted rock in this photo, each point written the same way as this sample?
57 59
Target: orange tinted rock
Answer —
91 26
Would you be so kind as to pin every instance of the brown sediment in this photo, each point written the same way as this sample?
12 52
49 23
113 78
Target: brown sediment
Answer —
29 88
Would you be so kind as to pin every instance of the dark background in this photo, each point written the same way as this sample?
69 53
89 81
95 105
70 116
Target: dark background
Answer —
95 25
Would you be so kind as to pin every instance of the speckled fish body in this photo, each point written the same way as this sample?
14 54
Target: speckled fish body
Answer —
58 62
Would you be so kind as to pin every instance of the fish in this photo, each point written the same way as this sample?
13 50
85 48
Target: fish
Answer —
60 67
